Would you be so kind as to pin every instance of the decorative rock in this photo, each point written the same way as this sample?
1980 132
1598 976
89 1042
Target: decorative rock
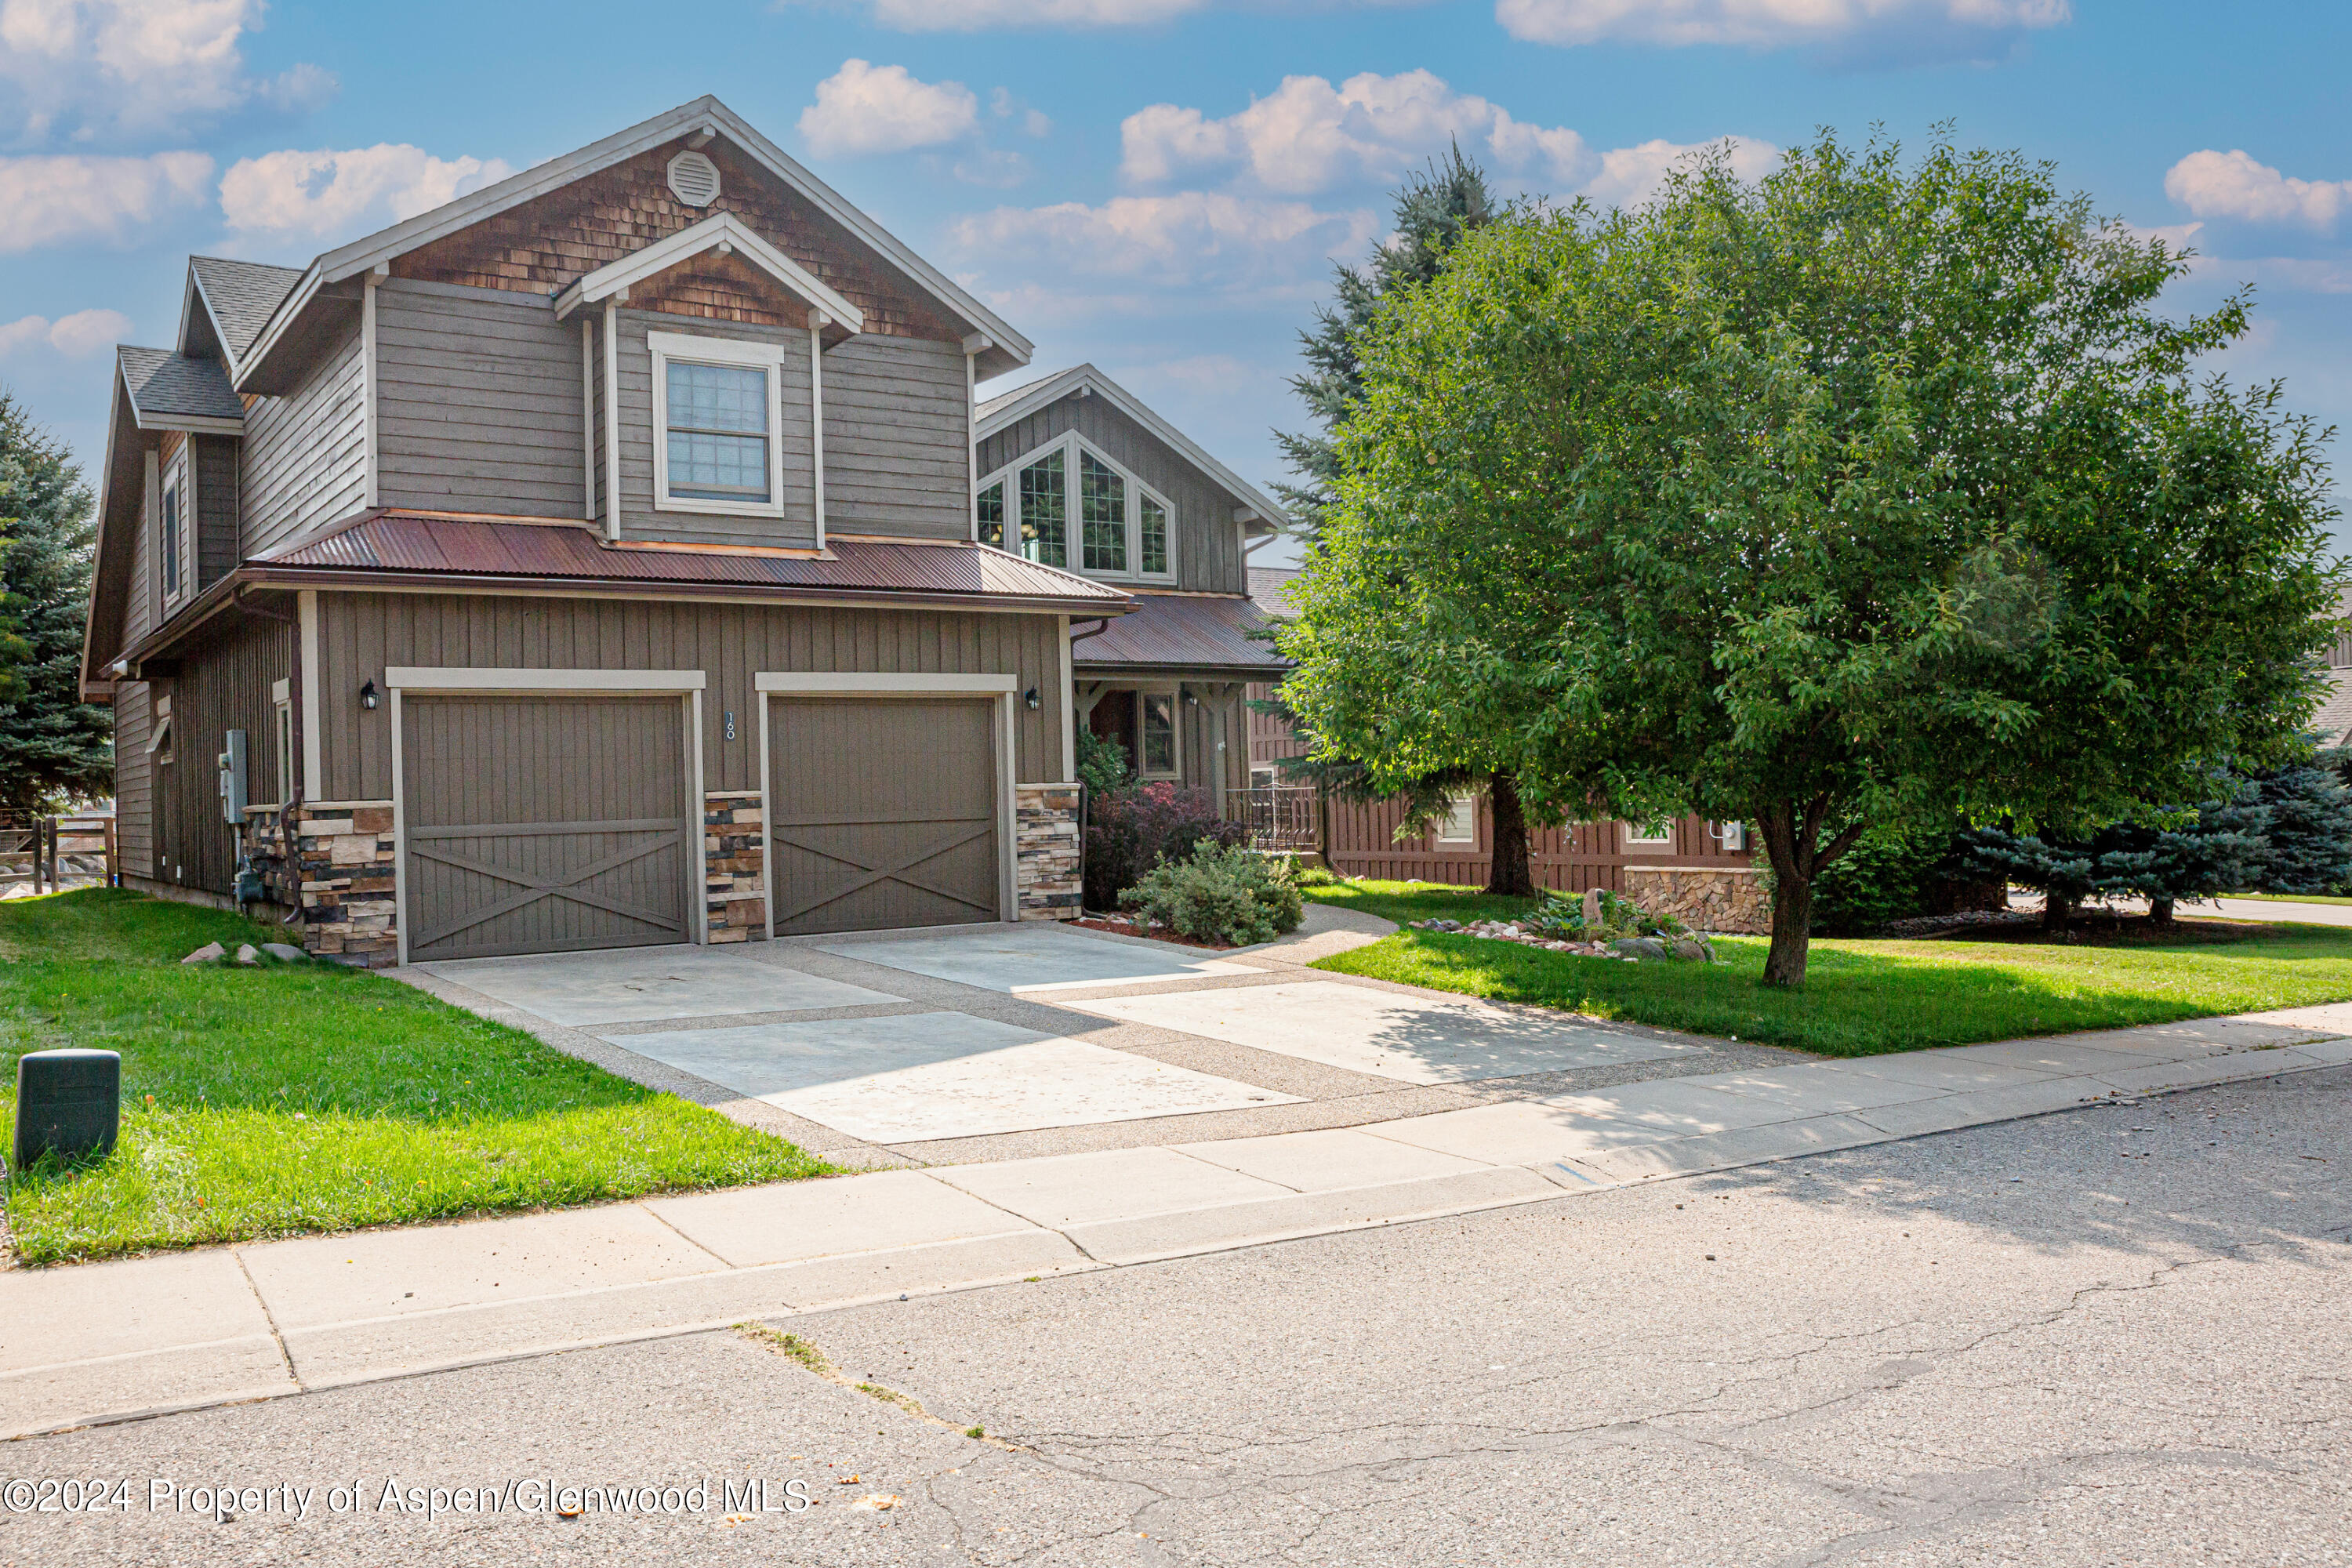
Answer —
206 953
1685 947
1592 908
246 956
286 951
1639 947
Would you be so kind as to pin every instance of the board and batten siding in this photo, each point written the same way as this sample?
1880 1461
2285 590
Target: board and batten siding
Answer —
477 402
797 527
1208 540
898 438
363 634
224 683
304 458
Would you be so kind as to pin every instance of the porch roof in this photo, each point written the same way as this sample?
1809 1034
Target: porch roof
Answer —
1173 633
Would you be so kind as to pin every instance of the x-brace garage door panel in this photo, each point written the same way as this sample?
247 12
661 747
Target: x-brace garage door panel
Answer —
883 812
544 824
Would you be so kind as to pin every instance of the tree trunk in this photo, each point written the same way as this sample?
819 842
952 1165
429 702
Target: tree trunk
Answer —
2057 910
1507 865
2159 911
1792 929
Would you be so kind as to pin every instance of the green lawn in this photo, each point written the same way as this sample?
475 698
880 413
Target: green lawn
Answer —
309 1097
2277 899
1860 997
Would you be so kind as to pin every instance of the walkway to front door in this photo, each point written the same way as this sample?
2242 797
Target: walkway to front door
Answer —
1005 1041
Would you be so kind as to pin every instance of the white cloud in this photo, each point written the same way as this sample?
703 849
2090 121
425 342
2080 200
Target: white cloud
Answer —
324 195
1631 175
865 107
135 66
1764 24
83 332
1236 246
973 15
1309 136
1004 106
56 200
2233 185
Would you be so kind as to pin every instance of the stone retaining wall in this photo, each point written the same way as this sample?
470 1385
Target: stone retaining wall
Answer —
734 864
1045 850
1727 899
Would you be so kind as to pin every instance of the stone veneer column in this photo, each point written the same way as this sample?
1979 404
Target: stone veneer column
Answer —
1723 899
734 858
1045 851
341 875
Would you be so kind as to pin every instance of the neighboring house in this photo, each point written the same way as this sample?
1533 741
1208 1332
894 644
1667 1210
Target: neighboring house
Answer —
1075 473
595 560
1271 738
2333 720
1704 872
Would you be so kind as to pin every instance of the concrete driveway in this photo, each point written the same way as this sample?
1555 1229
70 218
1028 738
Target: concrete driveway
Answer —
1003 1041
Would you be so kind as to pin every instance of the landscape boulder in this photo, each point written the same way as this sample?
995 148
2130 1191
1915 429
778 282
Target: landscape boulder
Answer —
285 950
206 953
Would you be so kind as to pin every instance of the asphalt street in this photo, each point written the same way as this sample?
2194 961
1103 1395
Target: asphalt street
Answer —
2112 1336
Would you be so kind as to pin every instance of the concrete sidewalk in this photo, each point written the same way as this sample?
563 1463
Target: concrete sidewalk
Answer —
112 1340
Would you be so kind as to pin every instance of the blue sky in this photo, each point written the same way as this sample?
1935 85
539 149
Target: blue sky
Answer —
1157 185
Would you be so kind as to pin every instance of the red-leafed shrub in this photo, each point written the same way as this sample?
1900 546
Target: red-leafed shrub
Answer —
1130 831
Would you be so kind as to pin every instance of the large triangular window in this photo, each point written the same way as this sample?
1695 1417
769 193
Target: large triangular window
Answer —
1069 506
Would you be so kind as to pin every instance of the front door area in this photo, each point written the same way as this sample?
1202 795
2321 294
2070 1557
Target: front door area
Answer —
544 823
885 812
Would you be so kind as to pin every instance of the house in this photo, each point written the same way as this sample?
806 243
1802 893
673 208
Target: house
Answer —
1075 472
618 554
1705 873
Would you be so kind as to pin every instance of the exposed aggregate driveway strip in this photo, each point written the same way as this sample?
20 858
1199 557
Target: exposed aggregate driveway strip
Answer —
2106 1337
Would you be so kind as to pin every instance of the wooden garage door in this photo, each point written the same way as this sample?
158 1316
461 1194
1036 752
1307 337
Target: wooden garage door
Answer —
883 812
542 824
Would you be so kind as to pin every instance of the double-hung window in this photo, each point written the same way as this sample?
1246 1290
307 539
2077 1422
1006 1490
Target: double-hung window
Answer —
1158 721
718 417
1067 505
170 531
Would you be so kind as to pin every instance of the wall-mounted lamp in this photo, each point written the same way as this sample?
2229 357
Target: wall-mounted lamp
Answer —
368 696
1030 697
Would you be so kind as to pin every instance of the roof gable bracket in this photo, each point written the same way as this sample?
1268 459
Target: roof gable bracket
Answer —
724 232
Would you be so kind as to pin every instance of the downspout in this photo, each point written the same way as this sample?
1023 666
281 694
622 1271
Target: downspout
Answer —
818 321
613 414
290 794
1101 625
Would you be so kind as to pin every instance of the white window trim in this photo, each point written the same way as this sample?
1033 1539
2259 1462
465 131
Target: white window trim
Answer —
1454 804
1072 444
1176 730
694 350
1637 839
281 722
179 472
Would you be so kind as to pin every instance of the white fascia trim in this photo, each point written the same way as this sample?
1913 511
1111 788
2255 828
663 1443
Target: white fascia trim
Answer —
705 112
727 229
197 423
409 678
288 309
860 683
768 357
1000 412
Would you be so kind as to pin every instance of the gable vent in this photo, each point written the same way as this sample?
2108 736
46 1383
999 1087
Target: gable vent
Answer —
694 179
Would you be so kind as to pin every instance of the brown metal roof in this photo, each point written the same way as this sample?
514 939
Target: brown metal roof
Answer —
422 543
1192 631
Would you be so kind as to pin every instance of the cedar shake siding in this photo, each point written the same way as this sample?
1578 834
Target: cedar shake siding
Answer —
360 634
304 463
478 402
1208 540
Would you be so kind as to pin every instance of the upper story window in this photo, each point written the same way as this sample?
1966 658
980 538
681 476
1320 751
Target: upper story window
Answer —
171 517
1069 506
718 411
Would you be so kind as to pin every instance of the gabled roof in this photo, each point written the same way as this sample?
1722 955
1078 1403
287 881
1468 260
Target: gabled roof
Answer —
1003 409
1001 347
1269 588
176 392
236 297
723 232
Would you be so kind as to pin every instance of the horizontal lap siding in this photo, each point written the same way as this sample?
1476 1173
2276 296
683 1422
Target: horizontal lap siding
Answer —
133 780
896 438
215 463
478 404
361 634
797 527
1208 540
304 457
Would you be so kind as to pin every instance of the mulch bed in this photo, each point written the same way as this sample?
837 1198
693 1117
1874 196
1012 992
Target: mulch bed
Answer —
1118 926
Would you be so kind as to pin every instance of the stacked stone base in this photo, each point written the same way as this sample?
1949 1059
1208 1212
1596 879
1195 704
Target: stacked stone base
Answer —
1045 852
1730 899
341 875
734 867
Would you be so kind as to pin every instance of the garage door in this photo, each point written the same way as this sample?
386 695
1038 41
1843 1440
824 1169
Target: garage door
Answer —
883 812
542 824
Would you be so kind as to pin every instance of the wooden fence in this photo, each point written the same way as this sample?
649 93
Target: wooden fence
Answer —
47 850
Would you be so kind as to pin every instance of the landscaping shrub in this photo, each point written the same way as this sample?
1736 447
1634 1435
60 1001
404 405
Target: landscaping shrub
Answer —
1223 893
1130 831
1102 763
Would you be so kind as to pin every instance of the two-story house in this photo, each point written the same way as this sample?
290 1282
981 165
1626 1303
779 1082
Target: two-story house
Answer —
619 555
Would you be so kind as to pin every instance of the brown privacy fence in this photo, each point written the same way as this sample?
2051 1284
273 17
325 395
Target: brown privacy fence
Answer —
47 851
